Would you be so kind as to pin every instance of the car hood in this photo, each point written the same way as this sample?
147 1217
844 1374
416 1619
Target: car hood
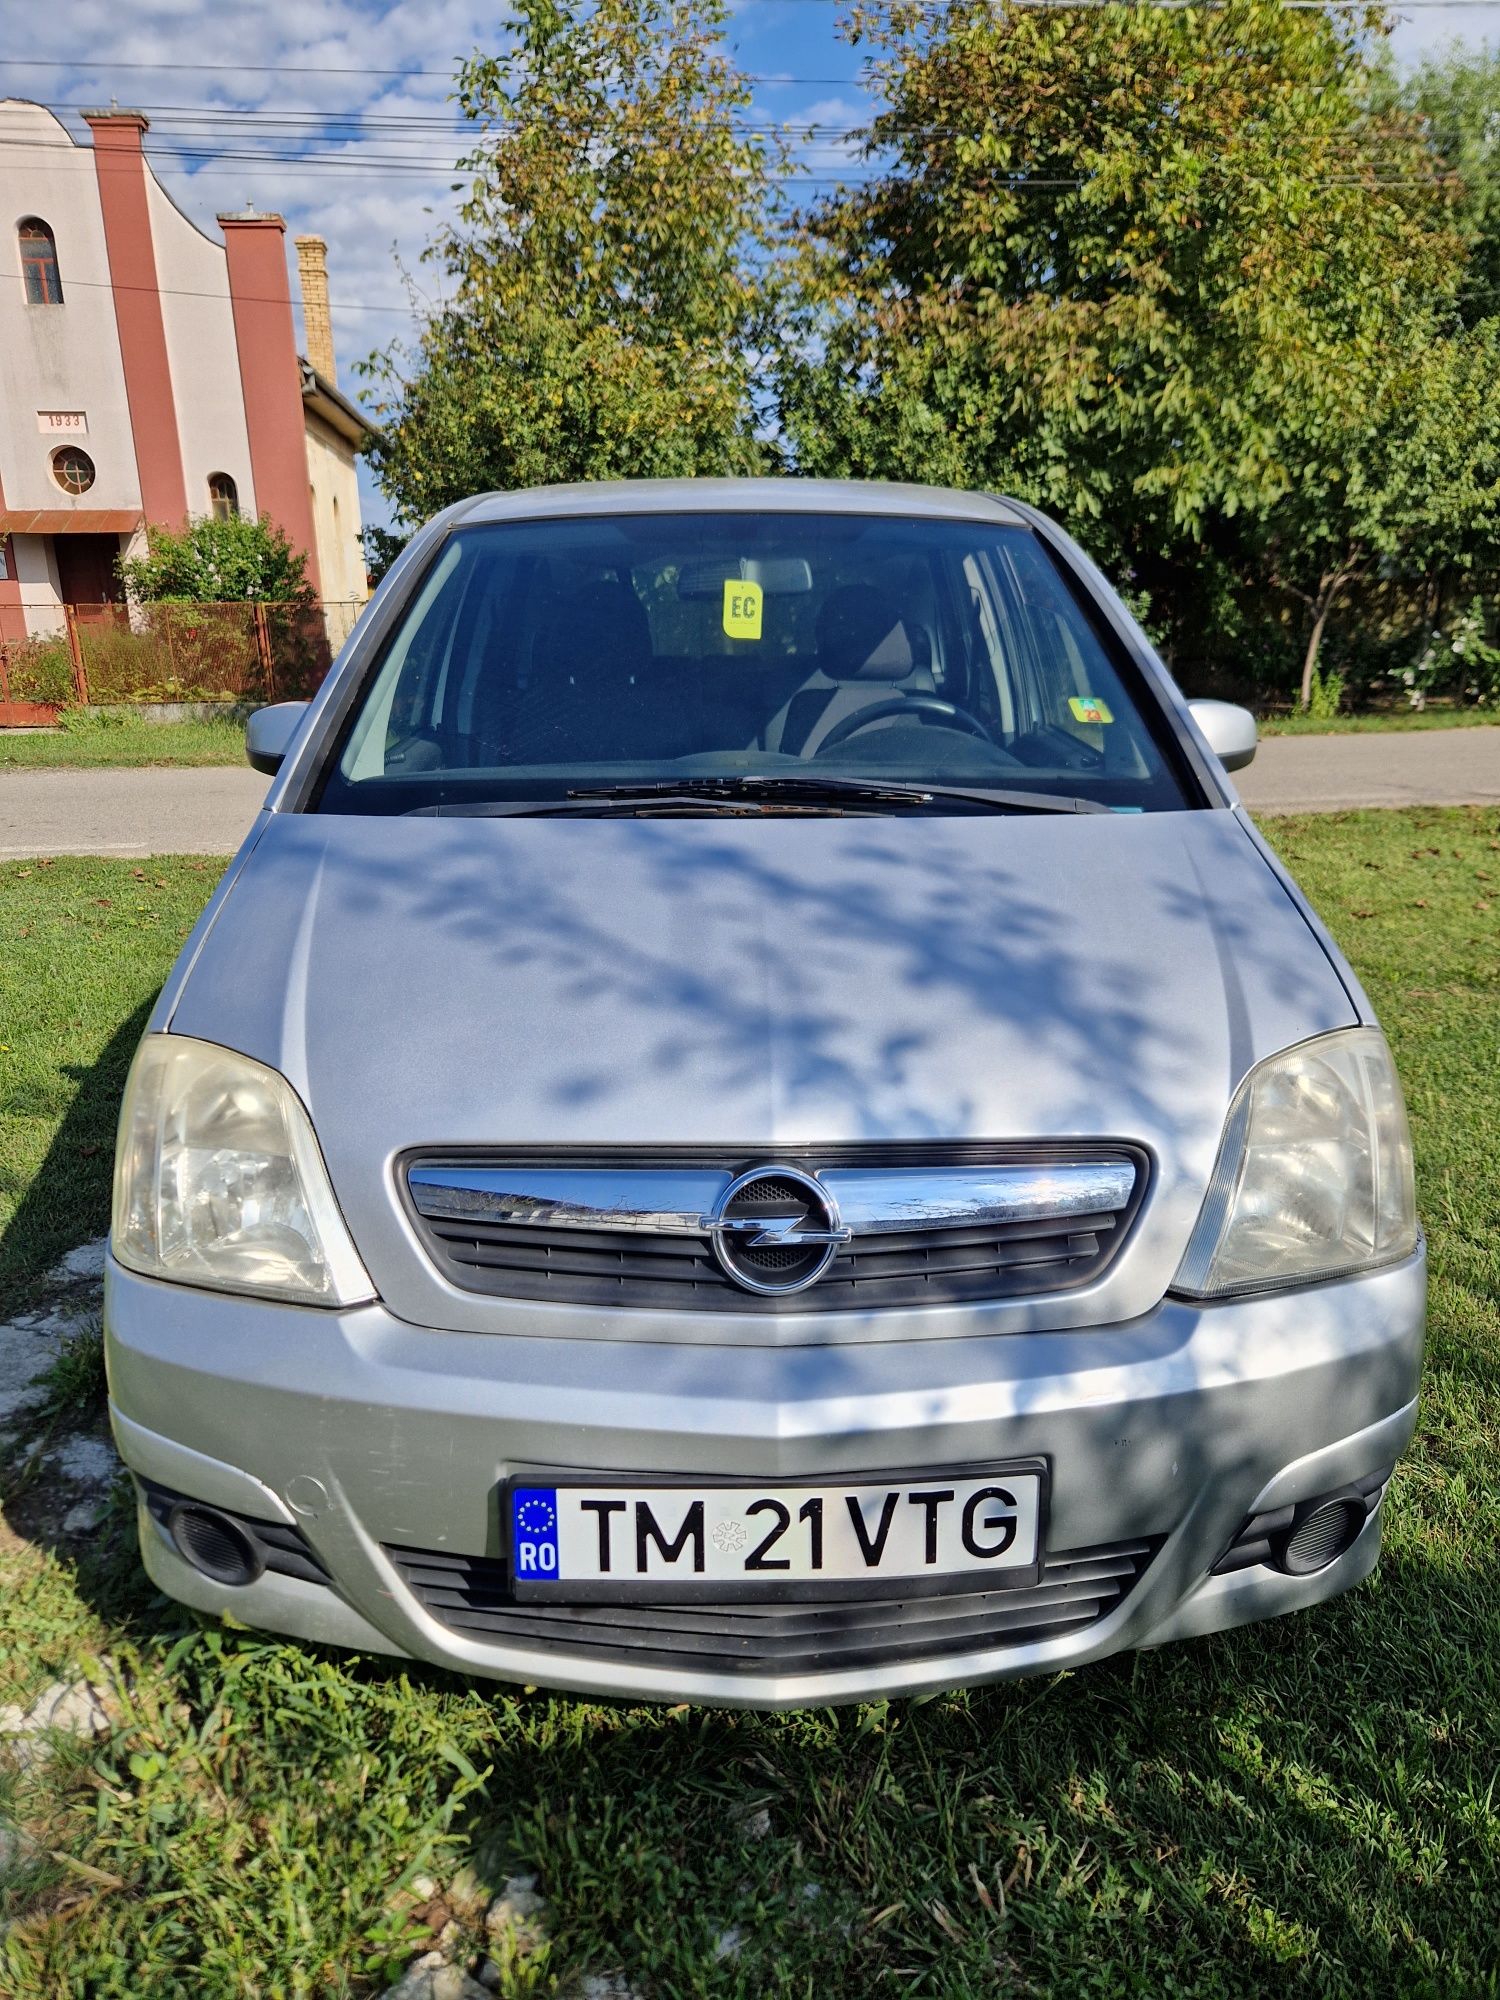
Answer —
744 985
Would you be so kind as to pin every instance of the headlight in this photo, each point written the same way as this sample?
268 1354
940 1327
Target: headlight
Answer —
219 1181
1314 1175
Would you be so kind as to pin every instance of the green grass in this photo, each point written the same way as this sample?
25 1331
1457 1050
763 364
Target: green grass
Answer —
84 945
125 742
74 1387
121 742
1381 719
1309 1807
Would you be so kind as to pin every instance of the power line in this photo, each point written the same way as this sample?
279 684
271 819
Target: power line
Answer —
769 77
1206 320
890 123
249 298
196 119
189 121
1018 182
778 79
811 177
859 173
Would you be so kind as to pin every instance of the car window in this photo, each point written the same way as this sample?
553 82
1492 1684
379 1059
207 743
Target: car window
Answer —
535 657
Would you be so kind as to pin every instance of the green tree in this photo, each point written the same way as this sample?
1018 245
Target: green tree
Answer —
219 562
1457 97
1150 268
605 277
1407 481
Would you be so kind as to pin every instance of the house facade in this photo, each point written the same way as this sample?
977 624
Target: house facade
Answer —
149 373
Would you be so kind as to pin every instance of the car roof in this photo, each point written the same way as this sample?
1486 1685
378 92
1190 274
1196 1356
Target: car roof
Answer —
734 496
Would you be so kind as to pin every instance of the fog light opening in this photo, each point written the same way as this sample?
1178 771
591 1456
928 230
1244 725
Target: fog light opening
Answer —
1320 1532
216 1546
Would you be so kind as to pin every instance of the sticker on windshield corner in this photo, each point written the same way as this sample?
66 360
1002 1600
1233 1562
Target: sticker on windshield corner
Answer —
1089 708
533 1531
742 608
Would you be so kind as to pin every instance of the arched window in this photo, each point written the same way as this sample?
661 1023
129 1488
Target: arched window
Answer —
39 263
223 496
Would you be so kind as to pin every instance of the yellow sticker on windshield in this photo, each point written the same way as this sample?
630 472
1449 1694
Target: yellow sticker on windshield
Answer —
742 609
1089 708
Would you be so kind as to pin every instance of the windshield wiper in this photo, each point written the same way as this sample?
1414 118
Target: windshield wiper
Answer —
768 792
769 787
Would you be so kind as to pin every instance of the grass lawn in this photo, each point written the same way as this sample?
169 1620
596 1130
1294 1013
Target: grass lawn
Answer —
84 945
1306 1807
124 742
1384 719
121 742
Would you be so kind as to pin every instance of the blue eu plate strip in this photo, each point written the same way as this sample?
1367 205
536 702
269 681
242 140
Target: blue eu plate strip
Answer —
533 1533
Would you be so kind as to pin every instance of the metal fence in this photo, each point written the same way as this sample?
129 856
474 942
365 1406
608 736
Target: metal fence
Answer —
114 653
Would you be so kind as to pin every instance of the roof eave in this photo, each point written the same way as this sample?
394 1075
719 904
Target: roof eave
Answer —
320 396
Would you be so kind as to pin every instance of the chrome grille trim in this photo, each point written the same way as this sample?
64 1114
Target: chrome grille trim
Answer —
656 1201
666 1201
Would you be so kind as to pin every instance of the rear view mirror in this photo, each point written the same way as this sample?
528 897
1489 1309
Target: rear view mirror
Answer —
269 732
778 576
1230 731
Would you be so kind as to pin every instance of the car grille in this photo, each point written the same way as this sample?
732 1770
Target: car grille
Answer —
680 1272
470 1594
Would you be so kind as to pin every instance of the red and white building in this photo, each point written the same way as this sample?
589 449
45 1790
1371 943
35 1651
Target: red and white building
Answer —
150 373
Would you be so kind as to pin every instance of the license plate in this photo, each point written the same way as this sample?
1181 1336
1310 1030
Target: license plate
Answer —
618 1540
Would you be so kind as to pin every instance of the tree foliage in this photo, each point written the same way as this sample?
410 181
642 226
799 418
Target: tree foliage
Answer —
1212 284
605 302
219 562
1164 272
1457 98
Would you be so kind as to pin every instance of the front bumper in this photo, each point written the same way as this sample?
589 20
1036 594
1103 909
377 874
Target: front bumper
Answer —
367 1434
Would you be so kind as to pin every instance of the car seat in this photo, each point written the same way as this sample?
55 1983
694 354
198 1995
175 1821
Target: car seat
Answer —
868 649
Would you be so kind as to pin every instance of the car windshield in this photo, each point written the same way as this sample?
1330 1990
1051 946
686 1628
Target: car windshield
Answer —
542 659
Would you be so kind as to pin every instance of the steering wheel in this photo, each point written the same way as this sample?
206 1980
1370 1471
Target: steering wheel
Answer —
898 704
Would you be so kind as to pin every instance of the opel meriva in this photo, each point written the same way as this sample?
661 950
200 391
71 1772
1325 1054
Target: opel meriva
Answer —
753 1122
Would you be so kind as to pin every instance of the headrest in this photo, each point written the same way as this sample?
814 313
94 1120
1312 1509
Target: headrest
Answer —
862 636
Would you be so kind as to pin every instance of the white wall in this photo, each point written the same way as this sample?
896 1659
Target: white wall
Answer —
63 357
193 273
36 572
335 509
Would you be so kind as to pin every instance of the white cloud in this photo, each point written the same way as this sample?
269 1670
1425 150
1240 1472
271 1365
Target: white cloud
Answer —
1429 30
833 124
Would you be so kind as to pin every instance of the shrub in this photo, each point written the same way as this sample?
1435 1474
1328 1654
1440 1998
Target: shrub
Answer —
1325 695
1459 660
219 562
41 670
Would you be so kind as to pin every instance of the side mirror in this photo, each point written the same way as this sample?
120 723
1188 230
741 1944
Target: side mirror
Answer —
1230 731
269 732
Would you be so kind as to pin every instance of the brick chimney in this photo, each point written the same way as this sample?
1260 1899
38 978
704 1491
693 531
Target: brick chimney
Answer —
312 275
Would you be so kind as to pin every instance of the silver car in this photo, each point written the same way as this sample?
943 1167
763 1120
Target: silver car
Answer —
754 1123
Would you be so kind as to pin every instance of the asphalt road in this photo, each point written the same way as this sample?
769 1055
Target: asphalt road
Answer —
207 811
1412 767
127 812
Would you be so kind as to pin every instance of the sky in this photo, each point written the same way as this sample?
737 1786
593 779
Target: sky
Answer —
358 89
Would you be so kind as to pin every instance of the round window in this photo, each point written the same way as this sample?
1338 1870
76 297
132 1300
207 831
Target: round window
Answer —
73 469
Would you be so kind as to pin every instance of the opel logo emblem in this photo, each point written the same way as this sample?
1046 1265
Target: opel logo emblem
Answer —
775 1229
